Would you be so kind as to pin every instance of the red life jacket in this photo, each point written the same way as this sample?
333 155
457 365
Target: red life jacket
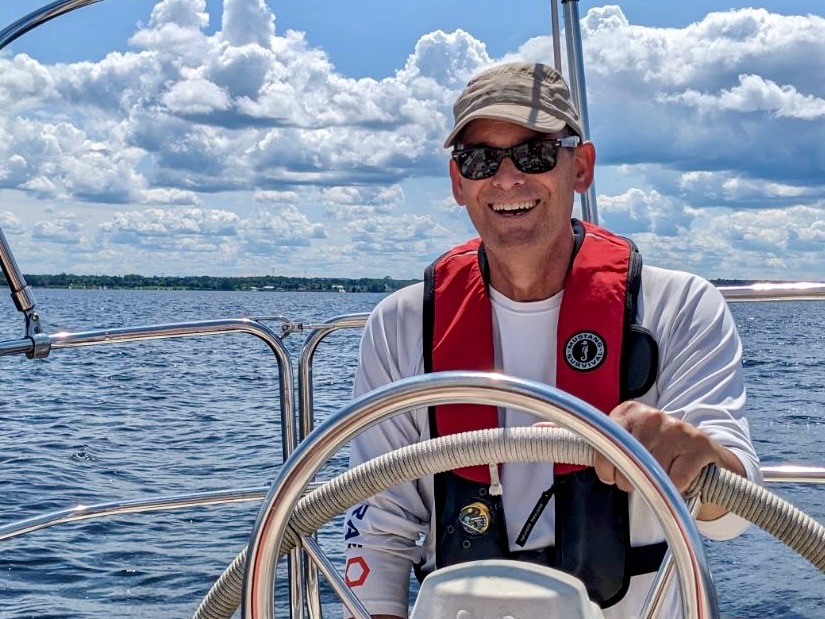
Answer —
593 321
602 357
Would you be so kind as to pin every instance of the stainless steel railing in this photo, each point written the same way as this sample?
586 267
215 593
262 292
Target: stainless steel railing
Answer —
792 291
39 345
779 474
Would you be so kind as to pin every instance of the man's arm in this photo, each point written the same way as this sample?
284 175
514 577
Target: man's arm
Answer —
380 535
696 416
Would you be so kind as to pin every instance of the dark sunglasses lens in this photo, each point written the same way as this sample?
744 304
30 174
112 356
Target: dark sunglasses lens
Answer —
478 163
535 157
531 158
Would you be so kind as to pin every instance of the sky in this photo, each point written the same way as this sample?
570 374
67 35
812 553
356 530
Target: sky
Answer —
243 137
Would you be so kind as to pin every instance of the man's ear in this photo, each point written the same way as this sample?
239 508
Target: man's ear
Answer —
455 179
584 160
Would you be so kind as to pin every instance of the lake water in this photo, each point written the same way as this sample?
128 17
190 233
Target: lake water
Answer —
149 419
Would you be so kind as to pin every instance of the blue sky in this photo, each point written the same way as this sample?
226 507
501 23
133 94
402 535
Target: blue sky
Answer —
237 138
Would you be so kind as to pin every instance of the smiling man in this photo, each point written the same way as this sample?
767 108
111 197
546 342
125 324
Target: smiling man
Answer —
542 296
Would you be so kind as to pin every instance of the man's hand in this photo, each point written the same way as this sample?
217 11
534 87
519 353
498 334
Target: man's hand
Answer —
681 449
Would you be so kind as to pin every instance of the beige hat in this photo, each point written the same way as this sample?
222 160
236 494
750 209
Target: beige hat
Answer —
531 95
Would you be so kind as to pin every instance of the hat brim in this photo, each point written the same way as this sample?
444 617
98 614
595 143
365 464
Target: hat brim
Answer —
520 115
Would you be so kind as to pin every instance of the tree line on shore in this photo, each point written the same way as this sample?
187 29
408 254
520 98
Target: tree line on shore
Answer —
264 283
206 282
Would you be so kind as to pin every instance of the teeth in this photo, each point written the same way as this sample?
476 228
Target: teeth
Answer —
515 206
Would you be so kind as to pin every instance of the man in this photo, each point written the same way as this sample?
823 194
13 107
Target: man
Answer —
545 298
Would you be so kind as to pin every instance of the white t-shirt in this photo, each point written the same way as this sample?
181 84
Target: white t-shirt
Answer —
699 380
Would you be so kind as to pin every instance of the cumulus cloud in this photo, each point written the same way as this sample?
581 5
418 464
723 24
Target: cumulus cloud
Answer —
755 94
195 96
398 235
757 231
10 223
278 228
64 229
736 91
728 189
169 196
347 203
175 28
776 244
637 211
58 160
195 228
247 21
276 196
245 141
449 59
24 83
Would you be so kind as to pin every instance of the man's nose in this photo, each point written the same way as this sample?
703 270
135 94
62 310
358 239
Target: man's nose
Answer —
508 175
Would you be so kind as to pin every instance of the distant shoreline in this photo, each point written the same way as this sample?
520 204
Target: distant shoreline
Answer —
263 283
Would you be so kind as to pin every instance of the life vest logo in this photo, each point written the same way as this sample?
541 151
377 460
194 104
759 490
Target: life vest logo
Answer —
475 518
585 351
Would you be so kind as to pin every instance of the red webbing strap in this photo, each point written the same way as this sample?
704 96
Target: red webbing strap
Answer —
463 340
592 322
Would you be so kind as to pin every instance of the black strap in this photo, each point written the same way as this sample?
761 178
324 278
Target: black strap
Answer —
534 516
578 237
640 353
641 559
428 329
646 559
428 323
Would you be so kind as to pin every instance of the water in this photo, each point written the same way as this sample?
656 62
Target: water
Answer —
156 418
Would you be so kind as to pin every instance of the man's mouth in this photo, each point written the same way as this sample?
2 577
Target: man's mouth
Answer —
513 208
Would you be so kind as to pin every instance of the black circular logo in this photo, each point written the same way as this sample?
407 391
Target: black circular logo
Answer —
585 351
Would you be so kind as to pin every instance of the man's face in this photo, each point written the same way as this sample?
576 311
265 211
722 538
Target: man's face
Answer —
513 209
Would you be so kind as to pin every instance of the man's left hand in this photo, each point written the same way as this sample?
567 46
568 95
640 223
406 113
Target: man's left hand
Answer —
682 450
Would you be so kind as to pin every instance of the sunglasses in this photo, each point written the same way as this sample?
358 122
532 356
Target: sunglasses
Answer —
534 156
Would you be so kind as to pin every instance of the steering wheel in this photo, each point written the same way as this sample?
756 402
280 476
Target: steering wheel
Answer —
596 429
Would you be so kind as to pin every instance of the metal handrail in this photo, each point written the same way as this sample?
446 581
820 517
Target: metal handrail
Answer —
775 474
306 423
186 329
306 404
42 344
138 506
793 474
791 291
210 327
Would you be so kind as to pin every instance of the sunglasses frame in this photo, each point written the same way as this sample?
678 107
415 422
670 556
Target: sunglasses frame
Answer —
566 142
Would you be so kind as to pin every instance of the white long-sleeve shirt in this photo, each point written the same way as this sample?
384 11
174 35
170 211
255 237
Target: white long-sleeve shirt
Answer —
699 380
